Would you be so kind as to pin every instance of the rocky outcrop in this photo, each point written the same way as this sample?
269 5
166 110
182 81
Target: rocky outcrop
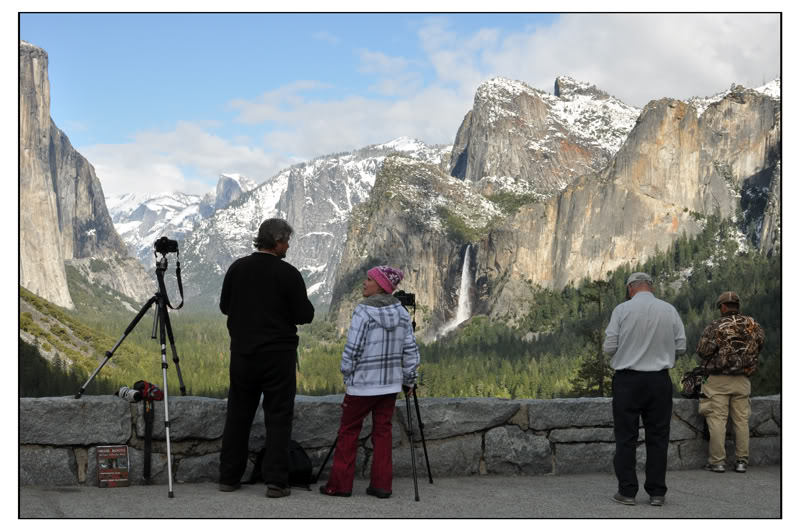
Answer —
419 220
58 437
64 215
231 187
673 170
548 140
86 227
41 254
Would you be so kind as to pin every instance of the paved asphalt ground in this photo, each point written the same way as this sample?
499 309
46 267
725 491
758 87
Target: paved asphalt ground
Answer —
692 494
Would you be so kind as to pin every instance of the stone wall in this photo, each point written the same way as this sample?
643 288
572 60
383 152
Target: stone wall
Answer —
465 436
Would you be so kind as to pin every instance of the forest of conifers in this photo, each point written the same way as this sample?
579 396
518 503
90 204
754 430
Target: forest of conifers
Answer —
483 358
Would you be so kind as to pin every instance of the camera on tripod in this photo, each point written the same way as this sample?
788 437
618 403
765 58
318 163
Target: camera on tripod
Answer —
406 299
164 245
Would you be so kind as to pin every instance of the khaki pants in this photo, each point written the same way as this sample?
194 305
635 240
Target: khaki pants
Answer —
726 393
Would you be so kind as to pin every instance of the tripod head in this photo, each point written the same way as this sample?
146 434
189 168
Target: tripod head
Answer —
162 247
408 299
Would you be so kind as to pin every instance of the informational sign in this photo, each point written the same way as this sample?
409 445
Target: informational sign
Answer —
112 466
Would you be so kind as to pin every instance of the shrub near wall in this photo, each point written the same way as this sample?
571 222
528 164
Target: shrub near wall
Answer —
58 436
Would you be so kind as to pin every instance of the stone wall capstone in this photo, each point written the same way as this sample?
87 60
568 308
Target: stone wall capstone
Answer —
59 437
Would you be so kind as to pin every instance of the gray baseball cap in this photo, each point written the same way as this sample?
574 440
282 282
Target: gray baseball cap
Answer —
636 277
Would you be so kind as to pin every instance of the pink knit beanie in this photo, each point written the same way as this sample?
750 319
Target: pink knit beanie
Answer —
387 277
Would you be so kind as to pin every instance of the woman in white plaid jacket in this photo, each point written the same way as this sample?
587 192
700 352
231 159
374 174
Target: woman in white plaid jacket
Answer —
380 359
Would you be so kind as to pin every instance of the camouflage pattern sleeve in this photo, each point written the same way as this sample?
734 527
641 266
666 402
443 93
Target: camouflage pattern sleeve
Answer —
759 336
707 347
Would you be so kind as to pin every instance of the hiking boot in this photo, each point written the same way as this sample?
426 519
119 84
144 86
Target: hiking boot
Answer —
378 493
624 500
715 468
224 487
276 491
323 489
658 501
741 467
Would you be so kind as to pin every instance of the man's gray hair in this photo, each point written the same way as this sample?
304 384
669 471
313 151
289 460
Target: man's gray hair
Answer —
271 232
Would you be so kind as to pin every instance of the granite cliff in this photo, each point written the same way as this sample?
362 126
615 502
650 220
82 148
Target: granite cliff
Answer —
63 215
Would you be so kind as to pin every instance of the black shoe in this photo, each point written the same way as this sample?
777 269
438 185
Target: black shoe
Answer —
323 489
276 491
378 493
658 501
624 500
720 468
224 487
741 467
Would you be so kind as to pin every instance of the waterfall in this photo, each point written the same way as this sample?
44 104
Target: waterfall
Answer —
464 304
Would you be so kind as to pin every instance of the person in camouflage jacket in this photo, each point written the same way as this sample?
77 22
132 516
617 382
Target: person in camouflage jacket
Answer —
729 348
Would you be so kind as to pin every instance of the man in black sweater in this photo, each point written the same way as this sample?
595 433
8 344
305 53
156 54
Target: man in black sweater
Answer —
265 299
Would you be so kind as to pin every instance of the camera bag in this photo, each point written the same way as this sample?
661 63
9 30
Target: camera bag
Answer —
692 381
300 469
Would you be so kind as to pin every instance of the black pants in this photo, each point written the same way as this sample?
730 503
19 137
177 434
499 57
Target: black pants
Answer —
273 374
649 395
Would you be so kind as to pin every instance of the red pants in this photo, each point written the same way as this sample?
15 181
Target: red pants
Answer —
354 409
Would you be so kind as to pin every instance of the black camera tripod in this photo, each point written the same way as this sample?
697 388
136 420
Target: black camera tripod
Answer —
160 321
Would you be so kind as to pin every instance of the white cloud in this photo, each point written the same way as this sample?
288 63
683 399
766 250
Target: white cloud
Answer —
189 159
275 105
396 78
378 62
327 37
641 57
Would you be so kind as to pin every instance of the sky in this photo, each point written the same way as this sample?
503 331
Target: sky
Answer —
166 102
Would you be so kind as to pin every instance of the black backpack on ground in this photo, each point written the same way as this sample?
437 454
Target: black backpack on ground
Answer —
299 467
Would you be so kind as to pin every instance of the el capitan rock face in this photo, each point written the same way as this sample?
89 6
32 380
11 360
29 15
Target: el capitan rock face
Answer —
41 255
63 215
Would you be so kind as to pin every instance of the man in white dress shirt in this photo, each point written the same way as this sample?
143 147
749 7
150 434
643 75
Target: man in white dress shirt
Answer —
643 335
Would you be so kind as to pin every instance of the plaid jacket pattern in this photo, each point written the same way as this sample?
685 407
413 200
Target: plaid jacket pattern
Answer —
381 349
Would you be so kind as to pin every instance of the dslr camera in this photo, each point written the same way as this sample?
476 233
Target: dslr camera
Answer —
406 299
164 245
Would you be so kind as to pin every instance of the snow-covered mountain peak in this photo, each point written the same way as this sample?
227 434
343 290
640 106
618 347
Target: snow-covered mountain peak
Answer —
701 104
502 90
771 89
245 183
404 143
566 87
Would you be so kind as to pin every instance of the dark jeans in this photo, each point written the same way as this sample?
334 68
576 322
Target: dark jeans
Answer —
273 374
649 395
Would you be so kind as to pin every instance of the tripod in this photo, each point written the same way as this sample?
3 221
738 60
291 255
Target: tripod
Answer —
410 433
160 321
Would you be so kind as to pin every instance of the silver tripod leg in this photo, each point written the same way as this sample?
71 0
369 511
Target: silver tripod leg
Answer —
166 399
